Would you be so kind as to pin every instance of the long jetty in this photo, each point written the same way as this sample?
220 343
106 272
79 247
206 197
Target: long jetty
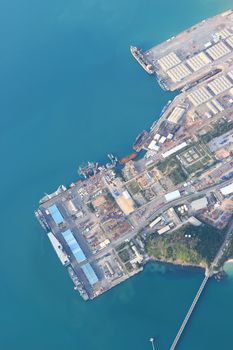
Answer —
189 313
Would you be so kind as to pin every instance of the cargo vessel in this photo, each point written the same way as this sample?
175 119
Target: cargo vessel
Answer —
137 54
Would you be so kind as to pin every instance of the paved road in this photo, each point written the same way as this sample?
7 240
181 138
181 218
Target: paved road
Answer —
222 248
134 232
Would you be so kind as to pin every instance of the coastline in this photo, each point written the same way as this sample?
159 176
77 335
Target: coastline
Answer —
179 264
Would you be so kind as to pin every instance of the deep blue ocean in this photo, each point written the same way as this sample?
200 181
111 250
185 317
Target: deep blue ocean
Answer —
71 92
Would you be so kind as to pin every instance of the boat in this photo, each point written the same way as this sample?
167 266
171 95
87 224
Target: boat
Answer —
126 159
139 57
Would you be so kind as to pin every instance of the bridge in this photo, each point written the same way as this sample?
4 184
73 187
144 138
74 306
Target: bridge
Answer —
208 274
189 313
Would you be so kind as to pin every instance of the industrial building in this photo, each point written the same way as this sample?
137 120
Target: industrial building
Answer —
164 229
169 61
155 222
194 221
90 274
214 107
74 246
56 215
199 96
198 61
171 196
224 33
174 150
230 41
153 146
176 115
220 141
230 74
199 204
179 72
227 190
218 50
220 85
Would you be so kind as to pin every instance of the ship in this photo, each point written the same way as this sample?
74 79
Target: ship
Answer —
139 57
127 158
140 140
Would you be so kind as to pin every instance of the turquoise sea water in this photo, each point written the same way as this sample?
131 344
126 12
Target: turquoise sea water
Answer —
71 92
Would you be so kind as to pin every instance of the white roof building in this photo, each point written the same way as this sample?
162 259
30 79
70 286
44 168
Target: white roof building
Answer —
227 189
174 150
153 145
176 115
171 196
164 230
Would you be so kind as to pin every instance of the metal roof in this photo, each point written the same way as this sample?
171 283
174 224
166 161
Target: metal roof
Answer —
172 195
199 204
56 215
74 246
90 273
227 189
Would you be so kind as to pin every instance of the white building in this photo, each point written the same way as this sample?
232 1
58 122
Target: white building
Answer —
171 196
227 190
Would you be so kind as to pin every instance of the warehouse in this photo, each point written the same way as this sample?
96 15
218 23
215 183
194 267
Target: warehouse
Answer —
227 190
74 246
171 196
176 115
153 145
174 150
155 222
90 274
230 41
179 72
212 108
198 61
230 74
169 61
164 230
220 85
199 204
217 105
55 213
218 50
224 33
199 96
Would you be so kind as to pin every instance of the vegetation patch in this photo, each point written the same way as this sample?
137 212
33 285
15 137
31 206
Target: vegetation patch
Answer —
133 187
172 167
178 247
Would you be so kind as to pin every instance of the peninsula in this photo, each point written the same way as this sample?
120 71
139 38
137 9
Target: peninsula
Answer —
172 199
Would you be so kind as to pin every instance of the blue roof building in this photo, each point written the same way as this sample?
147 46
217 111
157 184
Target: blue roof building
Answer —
74 246
56 215
90 273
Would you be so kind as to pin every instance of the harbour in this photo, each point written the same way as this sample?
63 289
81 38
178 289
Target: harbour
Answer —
105 221
53 95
